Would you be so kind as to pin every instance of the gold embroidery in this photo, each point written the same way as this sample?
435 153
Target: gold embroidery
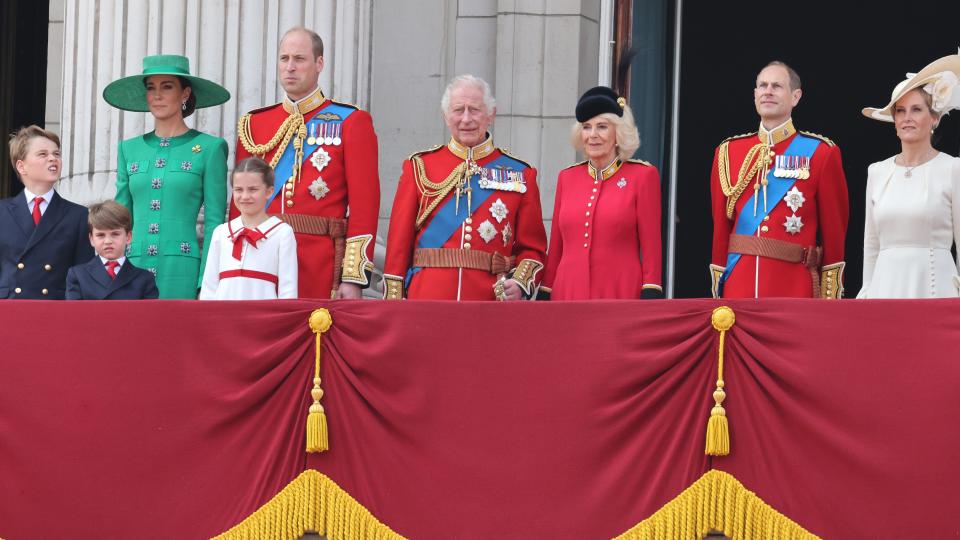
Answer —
818 136
479 151
831 280
716 272
392 287
355 261
607 171
526 273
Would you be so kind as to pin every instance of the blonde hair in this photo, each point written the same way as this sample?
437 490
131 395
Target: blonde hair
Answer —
628 139
20 141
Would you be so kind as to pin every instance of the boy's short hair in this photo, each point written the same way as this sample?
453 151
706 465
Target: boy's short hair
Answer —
20 141
108 216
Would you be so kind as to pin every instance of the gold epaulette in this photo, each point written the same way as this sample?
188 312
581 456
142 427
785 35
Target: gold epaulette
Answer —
584 162
640 161
346 104
427 151
818 136
262 109
507 153
740 136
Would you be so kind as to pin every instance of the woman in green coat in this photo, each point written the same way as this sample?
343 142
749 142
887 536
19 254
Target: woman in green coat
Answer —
164 177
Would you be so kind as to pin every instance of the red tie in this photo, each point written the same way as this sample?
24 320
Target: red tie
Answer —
252 236
36 210
112 269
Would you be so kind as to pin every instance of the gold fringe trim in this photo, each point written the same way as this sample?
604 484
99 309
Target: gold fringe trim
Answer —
717 502
317 436
718 430
312 502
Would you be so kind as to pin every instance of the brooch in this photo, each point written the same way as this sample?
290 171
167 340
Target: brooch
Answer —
499 210
319 189
793 224
320 159
794 199
487 231
197 149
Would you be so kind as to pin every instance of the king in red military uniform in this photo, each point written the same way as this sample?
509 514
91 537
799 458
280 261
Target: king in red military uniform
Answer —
780 207
324 154
466 221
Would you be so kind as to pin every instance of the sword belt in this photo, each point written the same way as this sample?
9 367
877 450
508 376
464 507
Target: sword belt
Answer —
781 250
495 263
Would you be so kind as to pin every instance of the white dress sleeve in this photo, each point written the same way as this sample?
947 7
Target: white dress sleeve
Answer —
955 213
211 273
287 268
871 243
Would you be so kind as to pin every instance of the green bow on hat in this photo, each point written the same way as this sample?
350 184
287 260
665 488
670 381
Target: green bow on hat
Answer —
130 93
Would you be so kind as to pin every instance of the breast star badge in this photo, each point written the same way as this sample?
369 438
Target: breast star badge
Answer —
499 210
319 189
487 231
622 183
320 159
793 224
794 199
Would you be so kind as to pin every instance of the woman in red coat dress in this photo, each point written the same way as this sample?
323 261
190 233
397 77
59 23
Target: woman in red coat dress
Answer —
605 236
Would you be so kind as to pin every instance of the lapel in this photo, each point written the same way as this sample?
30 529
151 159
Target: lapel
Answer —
55 212
17 206
127 271
98 273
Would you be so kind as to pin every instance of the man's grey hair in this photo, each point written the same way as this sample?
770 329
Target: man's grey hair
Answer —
468 80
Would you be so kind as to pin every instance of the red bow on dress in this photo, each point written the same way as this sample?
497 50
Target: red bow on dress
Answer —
252 235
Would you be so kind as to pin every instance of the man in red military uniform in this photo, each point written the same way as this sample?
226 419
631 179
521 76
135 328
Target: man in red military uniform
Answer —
779 203
466 221
324 154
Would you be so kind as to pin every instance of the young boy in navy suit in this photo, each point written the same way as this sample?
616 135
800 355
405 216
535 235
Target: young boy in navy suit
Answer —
109 275
41 234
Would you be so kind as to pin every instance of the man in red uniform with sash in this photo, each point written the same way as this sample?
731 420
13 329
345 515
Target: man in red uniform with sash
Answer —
779 203
324 154
466 221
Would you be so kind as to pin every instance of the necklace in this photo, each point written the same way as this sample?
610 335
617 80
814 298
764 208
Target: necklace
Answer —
922 161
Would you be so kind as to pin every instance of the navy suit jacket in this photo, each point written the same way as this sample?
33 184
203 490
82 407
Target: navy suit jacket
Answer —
34 259
91 281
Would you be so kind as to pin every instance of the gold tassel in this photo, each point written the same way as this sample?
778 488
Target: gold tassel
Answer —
718 430
317 439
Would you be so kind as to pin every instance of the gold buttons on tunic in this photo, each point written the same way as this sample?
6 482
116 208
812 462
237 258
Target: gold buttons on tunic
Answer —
764 229
766 218
289 203
466 245
468 228
18 290
584 245
44 292
47 267
467 237
20 266
468 221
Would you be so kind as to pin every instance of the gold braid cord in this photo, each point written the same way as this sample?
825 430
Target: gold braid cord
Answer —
312 502
756 159
717 502
292 126
432 191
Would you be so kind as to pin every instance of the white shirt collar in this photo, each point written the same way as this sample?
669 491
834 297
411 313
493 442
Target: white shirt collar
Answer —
47 197
121 260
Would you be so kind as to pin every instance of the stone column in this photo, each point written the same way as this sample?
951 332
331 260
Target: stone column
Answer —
232 42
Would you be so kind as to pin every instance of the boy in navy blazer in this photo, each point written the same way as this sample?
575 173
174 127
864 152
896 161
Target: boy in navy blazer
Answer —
109 275
41 234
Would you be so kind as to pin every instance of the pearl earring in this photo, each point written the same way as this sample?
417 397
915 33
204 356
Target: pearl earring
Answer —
183 106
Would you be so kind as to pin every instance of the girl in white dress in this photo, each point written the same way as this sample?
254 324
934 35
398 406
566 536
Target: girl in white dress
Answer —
253 256
913 198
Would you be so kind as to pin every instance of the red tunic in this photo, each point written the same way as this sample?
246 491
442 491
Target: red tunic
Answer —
518 233
823 213
605 237
350 180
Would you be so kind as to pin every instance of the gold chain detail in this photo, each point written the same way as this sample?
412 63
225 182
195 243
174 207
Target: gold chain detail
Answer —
433 190
756 159
293 125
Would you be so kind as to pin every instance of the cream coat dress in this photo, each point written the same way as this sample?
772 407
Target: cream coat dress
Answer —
911 223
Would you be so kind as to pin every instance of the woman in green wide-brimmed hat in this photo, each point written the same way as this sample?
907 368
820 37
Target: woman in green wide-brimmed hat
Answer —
165 176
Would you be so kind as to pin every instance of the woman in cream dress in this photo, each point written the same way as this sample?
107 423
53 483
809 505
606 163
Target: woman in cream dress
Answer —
913 198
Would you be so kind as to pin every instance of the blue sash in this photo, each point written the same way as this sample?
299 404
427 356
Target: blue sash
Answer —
284 169
446 221
777 188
